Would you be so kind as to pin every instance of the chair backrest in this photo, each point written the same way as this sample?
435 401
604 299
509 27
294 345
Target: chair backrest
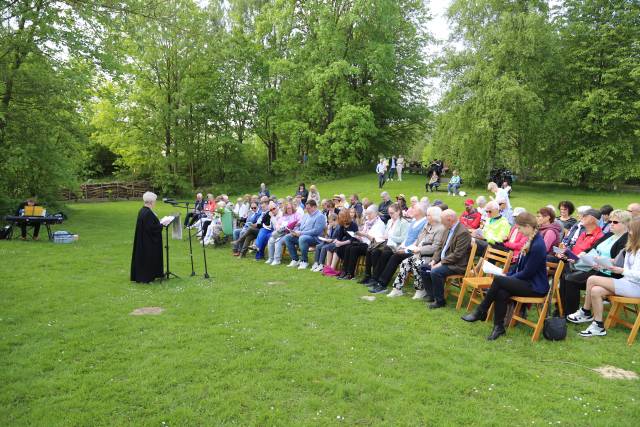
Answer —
472 255
499 257
557 269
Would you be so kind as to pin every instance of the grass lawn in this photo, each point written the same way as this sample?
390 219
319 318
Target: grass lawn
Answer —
259 345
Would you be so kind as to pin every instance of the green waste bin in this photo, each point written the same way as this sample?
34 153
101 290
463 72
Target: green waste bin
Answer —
227 223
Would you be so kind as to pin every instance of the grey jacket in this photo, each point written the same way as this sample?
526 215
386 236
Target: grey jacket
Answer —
430 239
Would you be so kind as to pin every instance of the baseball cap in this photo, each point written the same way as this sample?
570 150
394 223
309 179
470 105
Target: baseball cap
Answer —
469 202
592 212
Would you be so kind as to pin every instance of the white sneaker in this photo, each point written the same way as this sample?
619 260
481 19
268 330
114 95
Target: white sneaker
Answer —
579 317
395 293
274 263
593 331
303 265
269 261
420 293
314 266
319 268
293 264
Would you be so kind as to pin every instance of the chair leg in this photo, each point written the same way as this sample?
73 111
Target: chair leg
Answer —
634 330
612 317
463 291
490 313
540 323
559 302
471 298
516 312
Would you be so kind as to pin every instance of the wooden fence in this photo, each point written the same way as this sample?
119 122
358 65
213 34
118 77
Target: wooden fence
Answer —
108 191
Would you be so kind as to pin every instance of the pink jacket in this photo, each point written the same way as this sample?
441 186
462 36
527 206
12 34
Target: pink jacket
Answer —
515 242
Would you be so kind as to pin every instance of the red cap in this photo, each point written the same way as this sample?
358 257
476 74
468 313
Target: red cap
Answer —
469 202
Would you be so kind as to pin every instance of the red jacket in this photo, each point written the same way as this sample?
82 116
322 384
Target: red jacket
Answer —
586 241
471 220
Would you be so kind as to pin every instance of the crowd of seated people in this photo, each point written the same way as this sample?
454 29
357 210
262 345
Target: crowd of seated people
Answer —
396 244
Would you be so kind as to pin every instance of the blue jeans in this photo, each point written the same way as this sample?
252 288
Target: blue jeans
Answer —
304 242
321 251
434 281
261 241
453 188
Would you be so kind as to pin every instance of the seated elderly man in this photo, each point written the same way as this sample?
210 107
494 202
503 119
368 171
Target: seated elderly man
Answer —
451 257
245 240
305 234
384 206
238 233
196 212
496 229
506 211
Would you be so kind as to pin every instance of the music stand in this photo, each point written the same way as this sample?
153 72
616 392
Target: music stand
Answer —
185 205
168 274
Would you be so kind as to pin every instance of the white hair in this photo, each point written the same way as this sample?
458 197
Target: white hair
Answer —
517 211
414 199
425 199
582 209
448 213
435 212
372 209
384 194
481 201
492 186
493 206
553 209
149 197
422 207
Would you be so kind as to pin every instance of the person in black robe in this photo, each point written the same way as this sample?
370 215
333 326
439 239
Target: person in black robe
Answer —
146 261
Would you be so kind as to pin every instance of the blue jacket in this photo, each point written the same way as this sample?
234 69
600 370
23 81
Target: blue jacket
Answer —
532 267
253 219
415 228
312 225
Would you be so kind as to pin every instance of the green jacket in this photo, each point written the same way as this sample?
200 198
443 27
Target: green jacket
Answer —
496 230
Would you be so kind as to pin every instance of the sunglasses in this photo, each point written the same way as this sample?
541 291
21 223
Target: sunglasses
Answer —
254 208
614 222
273 209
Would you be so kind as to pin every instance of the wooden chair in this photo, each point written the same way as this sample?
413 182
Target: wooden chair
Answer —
453 284
545 302
481 282
613 318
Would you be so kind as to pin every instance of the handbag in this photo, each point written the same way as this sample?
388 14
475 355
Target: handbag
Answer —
554 328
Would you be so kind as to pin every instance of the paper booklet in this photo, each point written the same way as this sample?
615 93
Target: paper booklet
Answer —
352 234
326 240
592 260
489 268
166 220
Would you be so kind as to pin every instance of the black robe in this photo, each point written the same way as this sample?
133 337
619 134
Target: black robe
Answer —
146 261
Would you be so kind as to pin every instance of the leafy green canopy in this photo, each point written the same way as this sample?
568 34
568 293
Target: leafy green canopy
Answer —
553 96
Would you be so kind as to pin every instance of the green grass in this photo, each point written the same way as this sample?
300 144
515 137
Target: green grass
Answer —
258 345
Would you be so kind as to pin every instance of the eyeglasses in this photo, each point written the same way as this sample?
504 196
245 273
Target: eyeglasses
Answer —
254 208
614 222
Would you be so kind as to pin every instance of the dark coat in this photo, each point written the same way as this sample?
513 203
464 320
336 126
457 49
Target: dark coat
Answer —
146 261
457 255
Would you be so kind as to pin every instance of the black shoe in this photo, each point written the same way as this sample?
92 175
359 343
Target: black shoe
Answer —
437 304
345 277
365 280
378 289
341 275
497 331
474 316
429 298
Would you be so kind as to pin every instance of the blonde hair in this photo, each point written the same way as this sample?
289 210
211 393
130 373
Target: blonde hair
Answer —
623 216
633 242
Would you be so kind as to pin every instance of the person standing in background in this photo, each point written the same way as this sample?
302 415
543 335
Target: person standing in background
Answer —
399 166
146 260
392 168
380 170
